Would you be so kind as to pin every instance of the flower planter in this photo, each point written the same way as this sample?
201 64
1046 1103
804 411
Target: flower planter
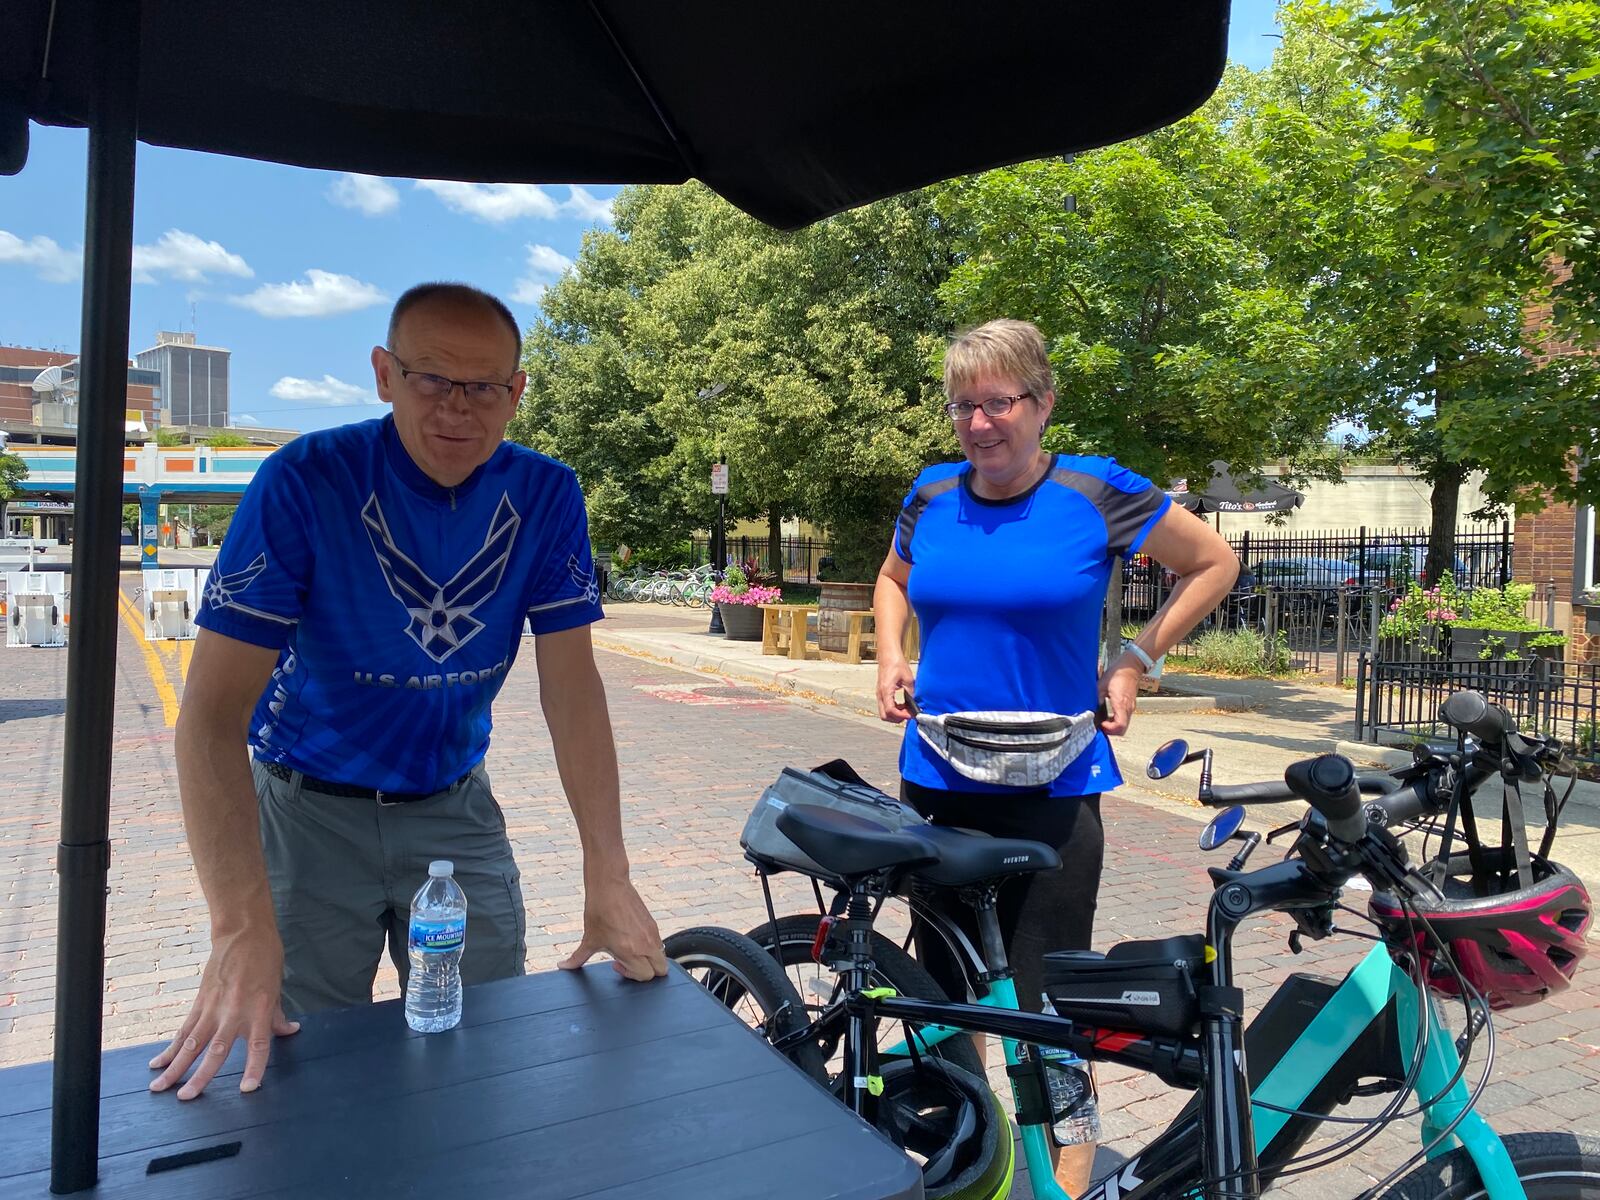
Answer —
740 622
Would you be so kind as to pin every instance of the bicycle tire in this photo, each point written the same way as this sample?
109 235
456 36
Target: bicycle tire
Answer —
734 969
989 1176
892 967
1551 1166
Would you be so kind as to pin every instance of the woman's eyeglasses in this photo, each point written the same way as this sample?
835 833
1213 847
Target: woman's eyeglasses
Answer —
994 406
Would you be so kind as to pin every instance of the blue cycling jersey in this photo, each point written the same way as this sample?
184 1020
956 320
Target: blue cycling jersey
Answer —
1008 595
396 605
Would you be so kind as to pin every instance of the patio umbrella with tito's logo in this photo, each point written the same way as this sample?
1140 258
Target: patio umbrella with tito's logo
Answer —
1223 494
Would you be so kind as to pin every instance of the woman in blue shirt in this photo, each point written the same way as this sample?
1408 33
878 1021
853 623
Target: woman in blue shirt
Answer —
1006 557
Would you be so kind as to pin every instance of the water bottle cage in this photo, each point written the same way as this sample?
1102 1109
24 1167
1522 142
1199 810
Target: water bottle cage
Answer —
1028 1089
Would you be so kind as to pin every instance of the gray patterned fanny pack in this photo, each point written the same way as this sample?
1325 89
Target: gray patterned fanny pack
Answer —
1015 749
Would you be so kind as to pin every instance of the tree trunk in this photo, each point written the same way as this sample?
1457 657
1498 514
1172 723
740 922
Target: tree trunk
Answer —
1443 503
775 544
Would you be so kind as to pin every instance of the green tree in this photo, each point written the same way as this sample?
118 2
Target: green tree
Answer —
818 338
12 472
225 440
1418 298
130 518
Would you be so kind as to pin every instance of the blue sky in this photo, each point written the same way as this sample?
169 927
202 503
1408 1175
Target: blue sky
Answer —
293 270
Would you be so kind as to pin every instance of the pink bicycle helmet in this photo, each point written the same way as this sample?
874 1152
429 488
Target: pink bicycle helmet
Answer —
1515 947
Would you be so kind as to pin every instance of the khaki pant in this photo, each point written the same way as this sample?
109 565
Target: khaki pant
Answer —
343 871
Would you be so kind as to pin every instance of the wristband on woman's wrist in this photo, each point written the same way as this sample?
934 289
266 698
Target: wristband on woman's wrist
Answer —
1138 652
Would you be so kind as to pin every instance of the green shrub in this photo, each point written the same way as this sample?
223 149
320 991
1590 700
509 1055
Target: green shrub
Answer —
1241 652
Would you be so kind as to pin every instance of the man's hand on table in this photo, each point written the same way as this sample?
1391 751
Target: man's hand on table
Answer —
239 997
616 921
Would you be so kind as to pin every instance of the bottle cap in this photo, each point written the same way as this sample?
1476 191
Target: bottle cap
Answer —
441 867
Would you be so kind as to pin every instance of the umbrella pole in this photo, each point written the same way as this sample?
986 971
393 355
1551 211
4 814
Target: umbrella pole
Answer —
84 855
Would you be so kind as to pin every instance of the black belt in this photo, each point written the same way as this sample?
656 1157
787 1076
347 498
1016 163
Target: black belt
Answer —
354 791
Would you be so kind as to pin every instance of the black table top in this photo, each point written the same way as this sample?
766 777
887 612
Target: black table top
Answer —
557 1085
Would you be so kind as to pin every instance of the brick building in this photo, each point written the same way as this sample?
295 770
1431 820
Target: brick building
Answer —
1561 544
39 388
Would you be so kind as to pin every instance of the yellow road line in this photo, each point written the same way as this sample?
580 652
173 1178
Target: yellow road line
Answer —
152 661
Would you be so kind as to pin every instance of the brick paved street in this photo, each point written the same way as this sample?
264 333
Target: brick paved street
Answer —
695 753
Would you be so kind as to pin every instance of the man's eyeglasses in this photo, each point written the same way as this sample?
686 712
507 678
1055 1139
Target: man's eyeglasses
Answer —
484 392
994 406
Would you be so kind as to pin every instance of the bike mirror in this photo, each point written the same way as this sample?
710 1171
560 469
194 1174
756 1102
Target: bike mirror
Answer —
1167 759
1222 827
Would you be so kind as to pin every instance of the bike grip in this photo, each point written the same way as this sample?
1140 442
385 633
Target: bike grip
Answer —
1271 791
1471 713
1328 784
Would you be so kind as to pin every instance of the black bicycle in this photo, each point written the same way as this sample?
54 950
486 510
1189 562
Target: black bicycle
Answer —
1492 927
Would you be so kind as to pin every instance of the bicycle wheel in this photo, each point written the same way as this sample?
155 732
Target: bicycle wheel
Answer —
987 1155
747 981
1551 1166
818 986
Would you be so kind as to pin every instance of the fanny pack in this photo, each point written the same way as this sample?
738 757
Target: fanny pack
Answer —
1015 749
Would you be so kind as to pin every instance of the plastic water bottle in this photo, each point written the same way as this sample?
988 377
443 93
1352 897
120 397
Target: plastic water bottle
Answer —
438 935
1082 1124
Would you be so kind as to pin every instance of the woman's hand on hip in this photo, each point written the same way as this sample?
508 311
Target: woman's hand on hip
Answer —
895 675
1119 689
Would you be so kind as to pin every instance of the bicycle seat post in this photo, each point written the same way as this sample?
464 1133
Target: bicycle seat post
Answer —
982 902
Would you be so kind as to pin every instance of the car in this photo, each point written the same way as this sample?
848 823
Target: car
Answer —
1401 564
1307 574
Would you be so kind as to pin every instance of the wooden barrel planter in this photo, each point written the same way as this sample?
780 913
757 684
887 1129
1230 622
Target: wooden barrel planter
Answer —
838 599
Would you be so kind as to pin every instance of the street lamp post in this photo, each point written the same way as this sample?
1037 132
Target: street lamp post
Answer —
719 535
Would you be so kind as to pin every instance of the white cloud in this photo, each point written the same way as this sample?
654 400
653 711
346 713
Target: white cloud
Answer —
365 193
335 393
49 261
244 419
324 294
545 266
586 207
180 255
496 203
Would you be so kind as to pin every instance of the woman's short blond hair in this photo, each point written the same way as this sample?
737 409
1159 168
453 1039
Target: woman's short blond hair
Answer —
1014 349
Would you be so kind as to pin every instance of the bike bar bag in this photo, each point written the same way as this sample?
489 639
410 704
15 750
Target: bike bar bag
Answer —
1147 987
833 785
1014 749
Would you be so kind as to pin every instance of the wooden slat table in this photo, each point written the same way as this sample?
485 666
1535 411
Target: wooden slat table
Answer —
555 1085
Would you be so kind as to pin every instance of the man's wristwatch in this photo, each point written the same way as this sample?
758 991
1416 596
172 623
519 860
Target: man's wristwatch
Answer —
1138 652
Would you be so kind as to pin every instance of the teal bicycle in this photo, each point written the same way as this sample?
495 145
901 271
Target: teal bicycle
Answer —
1488 928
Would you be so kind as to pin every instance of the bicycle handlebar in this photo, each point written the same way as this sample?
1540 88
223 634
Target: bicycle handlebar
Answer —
1328 784
1471 713
1274 791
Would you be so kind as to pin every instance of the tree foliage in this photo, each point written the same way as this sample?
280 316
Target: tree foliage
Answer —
818 338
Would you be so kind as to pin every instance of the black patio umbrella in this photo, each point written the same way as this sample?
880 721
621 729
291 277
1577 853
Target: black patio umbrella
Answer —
792 112
1224 494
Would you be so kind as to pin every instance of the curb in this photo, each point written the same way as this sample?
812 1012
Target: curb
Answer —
863 700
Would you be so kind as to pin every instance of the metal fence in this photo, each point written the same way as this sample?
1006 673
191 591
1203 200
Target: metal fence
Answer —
1555 697
801 557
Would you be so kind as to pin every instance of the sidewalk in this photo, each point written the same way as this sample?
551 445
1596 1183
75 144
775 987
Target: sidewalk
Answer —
1255 727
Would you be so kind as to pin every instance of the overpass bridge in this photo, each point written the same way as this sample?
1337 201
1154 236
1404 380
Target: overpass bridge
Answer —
151 476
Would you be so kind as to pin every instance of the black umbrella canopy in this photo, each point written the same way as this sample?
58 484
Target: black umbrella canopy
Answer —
1223 493
791 111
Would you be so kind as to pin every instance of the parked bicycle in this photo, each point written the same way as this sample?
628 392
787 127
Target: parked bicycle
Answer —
1490 927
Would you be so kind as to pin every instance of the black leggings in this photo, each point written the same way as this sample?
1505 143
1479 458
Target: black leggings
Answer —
1049 910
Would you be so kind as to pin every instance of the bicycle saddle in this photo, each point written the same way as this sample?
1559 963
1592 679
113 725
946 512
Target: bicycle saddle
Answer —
849 846
967 857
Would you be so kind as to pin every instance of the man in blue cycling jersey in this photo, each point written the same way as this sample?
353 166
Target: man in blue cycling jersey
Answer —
364 610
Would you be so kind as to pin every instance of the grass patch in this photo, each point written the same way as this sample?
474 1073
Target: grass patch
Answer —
1240 652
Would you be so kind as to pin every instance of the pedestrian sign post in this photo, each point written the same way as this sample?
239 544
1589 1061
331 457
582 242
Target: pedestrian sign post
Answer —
719 479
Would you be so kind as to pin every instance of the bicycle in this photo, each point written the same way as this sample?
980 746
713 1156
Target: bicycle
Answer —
1170 1007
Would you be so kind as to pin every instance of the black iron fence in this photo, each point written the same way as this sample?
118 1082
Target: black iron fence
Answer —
801 558
1554 697
1366 559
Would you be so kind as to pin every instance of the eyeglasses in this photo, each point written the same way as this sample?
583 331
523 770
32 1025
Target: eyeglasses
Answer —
994 406
482 392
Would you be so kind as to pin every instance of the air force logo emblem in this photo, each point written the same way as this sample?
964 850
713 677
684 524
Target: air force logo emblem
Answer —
222 591
441 614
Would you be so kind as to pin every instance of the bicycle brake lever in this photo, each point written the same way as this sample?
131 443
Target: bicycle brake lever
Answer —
1291 827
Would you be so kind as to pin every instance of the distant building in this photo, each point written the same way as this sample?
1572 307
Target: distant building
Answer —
193 380
39 388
